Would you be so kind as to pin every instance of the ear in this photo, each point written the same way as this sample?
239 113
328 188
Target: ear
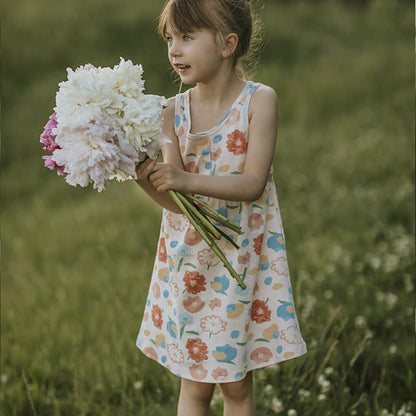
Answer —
230 44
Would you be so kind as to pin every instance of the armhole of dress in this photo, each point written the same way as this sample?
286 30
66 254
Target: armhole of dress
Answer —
247 103
178 99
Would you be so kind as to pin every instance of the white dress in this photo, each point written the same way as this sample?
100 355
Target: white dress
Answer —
198 322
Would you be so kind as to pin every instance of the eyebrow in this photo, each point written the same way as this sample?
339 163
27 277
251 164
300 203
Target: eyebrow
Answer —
169 33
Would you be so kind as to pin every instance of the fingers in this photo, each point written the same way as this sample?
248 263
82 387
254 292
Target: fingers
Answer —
145 169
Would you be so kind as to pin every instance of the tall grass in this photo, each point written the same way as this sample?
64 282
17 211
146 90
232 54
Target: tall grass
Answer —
76 264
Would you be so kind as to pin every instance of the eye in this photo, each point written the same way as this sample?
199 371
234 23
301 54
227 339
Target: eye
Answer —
187 38
168 39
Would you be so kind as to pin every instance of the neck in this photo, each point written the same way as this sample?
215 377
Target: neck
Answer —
219 89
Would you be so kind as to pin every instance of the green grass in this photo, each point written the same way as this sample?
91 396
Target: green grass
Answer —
77 264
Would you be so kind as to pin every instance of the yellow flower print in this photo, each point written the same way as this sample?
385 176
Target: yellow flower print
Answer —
160 340
234 310
270 332
199 146
163 273
224 168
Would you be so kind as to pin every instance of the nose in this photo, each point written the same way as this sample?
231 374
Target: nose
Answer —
174 50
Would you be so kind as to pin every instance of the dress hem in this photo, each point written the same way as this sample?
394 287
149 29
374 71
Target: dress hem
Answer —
211 380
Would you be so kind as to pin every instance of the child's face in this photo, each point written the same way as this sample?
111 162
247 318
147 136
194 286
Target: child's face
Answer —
195 56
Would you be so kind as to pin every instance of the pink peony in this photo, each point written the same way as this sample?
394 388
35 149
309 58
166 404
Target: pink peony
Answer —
48 139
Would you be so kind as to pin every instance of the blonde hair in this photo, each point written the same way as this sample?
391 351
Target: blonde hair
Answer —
221 17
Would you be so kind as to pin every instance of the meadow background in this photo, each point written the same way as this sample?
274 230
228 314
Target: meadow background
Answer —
76 264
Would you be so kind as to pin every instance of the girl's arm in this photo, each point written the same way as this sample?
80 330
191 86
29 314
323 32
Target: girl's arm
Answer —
250 184
171 155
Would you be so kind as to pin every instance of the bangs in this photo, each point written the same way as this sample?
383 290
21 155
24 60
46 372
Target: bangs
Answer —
184 16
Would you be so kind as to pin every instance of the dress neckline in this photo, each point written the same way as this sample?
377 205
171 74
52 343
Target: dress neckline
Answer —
216 127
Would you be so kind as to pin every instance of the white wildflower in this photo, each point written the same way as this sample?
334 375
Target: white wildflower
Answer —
276 405
138 385
303 394
391 300
268 389
393 349
360 322
326 386
321 397
328 294
292 412
321 379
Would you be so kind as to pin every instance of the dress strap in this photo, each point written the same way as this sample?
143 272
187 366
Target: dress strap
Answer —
180 117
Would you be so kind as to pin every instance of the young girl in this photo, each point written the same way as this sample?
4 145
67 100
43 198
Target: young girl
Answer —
198 322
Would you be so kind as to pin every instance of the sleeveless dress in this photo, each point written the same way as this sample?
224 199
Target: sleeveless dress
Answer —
198 322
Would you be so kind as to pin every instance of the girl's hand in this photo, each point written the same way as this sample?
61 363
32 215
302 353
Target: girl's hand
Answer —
166 176
144 170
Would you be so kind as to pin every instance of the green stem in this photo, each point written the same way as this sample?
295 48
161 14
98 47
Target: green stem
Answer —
215 215
226 236
206 237
194 209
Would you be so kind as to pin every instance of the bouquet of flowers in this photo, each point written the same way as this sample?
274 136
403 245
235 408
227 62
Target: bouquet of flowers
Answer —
103 126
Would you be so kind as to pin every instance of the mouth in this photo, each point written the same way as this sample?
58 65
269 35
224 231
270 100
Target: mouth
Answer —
181 67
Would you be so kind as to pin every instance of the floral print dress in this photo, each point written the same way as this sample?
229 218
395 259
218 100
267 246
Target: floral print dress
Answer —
198 322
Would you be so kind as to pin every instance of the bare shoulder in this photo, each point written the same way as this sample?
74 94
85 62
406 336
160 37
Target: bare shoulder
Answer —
264 95
169 111
169 117
264 101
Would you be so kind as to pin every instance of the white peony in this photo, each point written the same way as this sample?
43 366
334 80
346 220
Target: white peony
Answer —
138 122
92 153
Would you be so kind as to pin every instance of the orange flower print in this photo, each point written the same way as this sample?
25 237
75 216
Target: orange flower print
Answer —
234 117
174 289
198 372
213 324
192 167
161 251
255 221
215 303
207 256
197 349
192 237
258 242
219 373
150 352
261 355
279 265
194 282
215 154
156 290
237 143
291 335
193 304
175 354
244 258
260 312
157 316
176 221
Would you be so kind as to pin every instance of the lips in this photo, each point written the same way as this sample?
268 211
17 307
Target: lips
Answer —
181 67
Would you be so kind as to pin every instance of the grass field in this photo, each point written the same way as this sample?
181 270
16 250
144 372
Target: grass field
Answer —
76 264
